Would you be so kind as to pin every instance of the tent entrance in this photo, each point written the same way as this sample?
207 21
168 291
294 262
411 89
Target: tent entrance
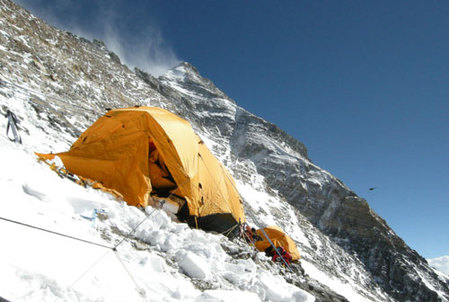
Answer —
223 223
161 179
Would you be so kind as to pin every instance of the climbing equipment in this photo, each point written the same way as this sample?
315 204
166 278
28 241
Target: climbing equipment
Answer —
12 124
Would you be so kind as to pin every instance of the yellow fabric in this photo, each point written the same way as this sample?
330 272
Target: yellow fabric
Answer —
279 238
214 175
114 152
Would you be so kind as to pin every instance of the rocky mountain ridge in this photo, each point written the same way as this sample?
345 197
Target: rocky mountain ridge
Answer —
72 81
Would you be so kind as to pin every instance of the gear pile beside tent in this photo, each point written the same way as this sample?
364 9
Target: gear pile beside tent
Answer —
150 156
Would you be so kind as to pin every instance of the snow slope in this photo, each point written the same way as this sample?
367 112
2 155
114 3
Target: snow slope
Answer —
160 261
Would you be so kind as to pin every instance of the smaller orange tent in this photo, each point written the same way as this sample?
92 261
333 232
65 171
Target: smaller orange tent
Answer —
278 238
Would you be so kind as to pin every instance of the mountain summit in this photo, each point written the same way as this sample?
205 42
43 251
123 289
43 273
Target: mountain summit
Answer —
58 84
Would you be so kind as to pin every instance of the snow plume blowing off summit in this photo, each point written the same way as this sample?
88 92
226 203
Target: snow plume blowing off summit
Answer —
143 47
147 52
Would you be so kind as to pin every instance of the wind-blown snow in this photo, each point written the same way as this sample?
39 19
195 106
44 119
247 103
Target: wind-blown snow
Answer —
440 263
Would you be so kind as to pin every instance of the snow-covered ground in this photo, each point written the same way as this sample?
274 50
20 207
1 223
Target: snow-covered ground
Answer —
160 261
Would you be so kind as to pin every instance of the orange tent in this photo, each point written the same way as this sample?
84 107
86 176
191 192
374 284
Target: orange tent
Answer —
114 151
278 238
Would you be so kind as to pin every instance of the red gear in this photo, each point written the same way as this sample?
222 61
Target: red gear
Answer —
286 255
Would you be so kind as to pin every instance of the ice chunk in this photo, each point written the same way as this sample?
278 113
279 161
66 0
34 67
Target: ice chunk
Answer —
193 265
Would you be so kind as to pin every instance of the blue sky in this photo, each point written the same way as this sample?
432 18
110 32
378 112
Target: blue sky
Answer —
363 84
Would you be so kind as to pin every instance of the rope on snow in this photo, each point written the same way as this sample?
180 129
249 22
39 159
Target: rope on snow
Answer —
114 248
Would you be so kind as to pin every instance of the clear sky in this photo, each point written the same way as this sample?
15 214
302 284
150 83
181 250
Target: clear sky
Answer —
363 84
